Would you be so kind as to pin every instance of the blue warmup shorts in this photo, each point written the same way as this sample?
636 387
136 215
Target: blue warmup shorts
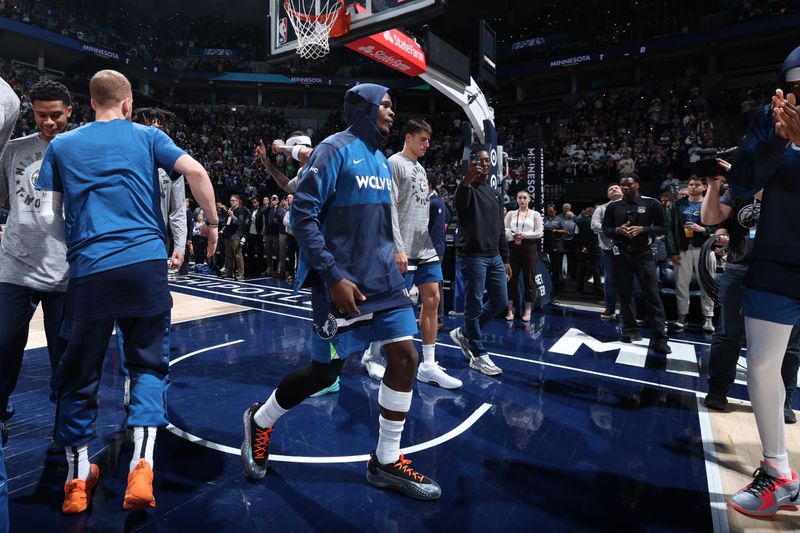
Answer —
771 307
422 274
355 335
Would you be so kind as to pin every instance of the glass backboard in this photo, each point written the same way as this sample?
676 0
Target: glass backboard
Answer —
366 18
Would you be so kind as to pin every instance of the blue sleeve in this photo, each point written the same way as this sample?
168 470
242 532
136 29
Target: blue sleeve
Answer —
49 176
165 151
315 187
760 154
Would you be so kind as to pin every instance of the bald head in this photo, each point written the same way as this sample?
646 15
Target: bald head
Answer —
108 88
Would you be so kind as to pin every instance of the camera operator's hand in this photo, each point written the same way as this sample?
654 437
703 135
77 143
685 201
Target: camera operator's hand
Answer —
724 164
676 260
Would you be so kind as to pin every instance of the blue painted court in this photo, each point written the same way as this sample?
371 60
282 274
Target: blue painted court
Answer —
577 434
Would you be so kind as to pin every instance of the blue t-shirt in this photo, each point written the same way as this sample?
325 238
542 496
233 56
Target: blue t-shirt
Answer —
691 213
108 174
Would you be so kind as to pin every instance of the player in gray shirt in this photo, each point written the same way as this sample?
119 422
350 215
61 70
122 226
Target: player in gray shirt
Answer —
414 252
33 264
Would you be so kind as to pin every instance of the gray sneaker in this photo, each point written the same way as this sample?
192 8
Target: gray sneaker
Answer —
485 365
461 340
255 448
767 493
401 478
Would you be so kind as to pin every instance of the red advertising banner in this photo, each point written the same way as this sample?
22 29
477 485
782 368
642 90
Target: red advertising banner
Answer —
394 49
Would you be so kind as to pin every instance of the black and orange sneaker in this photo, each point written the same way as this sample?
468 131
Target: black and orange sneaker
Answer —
255 448
401 478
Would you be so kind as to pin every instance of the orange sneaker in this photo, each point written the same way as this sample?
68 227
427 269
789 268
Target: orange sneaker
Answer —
139 494
78 493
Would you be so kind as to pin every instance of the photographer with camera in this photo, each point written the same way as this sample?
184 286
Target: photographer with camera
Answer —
769 159
685 237
740 218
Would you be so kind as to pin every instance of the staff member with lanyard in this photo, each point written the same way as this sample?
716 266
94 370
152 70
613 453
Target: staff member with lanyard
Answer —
631 223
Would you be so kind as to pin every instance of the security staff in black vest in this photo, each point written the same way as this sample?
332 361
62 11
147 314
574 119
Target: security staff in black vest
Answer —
632 223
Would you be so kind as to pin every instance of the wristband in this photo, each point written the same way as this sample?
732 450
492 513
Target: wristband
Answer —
296 152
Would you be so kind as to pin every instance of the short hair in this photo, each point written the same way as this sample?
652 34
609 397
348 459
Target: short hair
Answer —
631 175
612 185
695 177
148 115
433 179
49 91
416 125
109 87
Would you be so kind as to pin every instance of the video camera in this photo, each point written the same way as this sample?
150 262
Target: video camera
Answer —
708 166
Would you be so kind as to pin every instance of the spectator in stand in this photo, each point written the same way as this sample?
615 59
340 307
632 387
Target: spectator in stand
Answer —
685 237
254 240
586 253
606 244
524 228
273 219
553 245
232 234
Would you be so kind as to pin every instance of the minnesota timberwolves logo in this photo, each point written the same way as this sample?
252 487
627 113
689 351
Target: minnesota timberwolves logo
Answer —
748 215
34 178
328 329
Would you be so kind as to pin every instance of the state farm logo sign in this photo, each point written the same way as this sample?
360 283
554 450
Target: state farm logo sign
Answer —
394 49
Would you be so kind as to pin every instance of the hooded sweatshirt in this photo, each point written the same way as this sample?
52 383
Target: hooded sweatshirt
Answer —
341 216
766 161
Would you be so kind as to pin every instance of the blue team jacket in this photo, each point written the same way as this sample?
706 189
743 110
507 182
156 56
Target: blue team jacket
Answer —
341 215
765 161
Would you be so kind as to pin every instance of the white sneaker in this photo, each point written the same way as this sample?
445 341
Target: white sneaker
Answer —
375 365
485 365
708 324
433 373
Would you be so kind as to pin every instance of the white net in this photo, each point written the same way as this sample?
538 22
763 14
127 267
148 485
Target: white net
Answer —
312 21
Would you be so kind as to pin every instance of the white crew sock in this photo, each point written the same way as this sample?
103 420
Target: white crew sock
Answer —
144 440
78 466
271 411
766 346
389 433
428 353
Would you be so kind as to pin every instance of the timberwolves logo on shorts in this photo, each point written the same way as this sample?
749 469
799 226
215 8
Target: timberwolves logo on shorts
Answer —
328 329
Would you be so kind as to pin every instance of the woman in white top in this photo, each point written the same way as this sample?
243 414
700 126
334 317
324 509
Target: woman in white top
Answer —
523 230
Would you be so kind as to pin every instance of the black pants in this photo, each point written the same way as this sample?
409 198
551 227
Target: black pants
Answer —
291 254
523 258
556 265
17 305
641 265
254 262
588 265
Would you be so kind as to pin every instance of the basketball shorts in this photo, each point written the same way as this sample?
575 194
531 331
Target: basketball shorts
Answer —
355 335
424 273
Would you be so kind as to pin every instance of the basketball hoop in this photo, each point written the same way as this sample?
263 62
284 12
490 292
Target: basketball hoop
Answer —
314 23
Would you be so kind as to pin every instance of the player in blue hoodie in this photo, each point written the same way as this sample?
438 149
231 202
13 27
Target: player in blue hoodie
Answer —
342 221
769 158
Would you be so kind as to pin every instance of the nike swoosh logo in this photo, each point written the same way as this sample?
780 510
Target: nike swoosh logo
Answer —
357 161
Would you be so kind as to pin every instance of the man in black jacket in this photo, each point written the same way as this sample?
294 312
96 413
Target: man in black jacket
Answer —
631 223
232 235
483 252
254 241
